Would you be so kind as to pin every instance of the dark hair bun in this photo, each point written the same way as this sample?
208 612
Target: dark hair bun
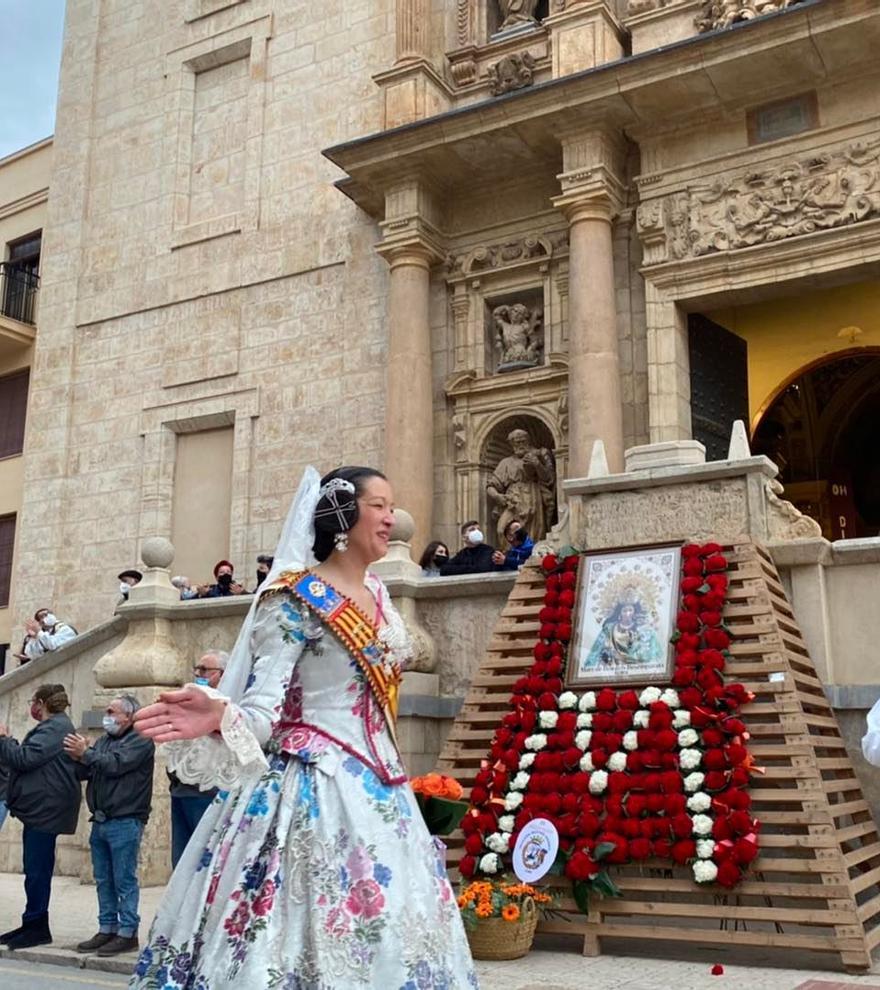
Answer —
337 508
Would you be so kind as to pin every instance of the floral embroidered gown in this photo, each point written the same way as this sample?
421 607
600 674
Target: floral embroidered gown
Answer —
314 869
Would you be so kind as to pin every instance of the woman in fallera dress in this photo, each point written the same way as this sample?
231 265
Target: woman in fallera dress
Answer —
312 869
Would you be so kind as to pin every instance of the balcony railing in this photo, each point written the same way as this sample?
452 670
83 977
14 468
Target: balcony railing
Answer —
18 292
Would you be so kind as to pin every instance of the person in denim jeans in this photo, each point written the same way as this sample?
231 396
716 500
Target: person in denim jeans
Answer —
119 771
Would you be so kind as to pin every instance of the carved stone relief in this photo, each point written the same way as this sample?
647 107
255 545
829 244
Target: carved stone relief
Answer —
785 521
487 256
722 13
519 336
523 487
514 12
511 72
824 191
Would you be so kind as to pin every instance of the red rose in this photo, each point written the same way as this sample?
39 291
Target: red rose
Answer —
740 822
687 622
618 783
690 550
547 614
467 865
714 781
570 563
717 639
683 676
511 759
733 726
479 795
687 658
552 804
503 736
550 562
717 582
712 737
566 598
554 582
634 762
600 758
681 826
552 598
631 828
707 549
721 830
662 848
620 853
736 754
693 567
563 632
602 722
716 563
660 717
579 782
473 844
739 777
744 851
671 782
710 618
640 849
606 700
547 701
568 580
712 658
613 741
563 614
571 758
690 698
717 970
655 803
528 721
713 600
554 666
691 603
499 782
548 631
636 804
729 874
581 866
666 740
714 759
683 851
628 701
566 722
707 678
567 825
687 641
571 803
675 804
691 584
589 824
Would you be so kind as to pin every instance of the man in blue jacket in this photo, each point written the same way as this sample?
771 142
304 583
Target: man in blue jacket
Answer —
119 771
519 547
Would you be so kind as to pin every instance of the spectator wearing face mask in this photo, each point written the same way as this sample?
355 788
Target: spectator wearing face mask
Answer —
183 586
188 803
519 547
44 795
225 583
127 580
119 771
435 556
264 565
45 633
475 557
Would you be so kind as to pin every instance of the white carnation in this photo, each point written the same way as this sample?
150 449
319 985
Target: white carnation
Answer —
489 863
617 761
688 759
641 719
670 697
584 720
526 760
699 802
694 781
705 848
586 763
631 740
520 782
688 737
587 702
498 842
506 823
682 719
705 871
598 781
568 699
513 800
702 824
649 696
548 720
536 742
582 739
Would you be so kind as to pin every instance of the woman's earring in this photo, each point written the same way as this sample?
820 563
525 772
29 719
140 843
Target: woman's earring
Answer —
340 541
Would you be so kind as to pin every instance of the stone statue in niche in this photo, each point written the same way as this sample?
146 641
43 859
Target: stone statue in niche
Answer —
515 12
519 337
523 487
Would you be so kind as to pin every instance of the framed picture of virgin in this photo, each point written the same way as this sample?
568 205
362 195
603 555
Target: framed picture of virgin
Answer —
625 608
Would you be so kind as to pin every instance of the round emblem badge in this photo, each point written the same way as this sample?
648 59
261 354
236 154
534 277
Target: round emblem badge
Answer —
317 588
535 850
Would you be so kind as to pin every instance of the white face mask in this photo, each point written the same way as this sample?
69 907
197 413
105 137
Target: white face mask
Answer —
111 726
474 537
124 588
49 620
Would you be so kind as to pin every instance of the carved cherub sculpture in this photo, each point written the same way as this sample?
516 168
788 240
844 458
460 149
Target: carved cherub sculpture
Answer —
517 12
518 334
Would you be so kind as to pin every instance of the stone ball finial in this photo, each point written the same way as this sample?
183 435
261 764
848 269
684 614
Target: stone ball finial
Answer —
404 527
157 552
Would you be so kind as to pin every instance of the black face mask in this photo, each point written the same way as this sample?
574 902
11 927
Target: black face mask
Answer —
440 559
261 577
224 580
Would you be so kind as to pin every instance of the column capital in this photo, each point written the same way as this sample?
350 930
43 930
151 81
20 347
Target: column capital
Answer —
410 230
596 200
594 159
410 246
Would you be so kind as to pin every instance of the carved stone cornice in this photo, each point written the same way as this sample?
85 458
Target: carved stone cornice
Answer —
486 257
718 14
802 196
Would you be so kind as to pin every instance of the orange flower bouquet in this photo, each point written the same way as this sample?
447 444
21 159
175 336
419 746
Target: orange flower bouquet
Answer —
440 802
500 917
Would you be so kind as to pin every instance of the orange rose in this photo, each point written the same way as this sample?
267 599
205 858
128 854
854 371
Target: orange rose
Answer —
454 790
432 785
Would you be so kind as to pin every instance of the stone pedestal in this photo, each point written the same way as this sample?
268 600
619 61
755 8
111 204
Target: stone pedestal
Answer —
583 36
654 26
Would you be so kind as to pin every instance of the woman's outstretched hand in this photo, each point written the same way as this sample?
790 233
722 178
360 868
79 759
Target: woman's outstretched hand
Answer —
183 714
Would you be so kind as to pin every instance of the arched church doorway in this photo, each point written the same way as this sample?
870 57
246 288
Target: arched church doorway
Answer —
821 429
518 476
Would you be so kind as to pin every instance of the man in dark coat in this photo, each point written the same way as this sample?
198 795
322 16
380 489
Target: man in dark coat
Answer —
44 794
119 771
475 557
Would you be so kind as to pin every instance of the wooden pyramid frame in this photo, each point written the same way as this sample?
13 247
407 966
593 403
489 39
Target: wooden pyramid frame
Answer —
816 883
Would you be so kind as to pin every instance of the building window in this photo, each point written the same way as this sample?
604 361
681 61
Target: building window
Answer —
7 542
13 412
20 278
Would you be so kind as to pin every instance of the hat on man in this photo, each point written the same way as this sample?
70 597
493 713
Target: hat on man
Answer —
222 563
131 572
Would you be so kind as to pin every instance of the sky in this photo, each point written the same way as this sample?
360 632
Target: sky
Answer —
30 56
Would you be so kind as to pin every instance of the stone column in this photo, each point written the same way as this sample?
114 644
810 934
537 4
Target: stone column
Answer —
411 30
590 200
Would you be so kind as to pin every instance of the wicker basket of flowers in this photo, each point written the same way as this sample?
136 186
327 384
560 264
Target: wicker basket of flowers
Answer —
500 917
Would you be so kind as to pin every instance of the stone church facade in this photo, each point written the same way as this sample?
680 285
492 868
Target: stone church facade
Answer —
394 231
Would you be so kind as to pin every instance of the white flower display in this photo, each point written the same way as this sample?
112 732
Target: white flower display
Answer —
513 800
536 742
694 781
582 739
598 781
587 702
586 763
702 824
641 719
688 737
705 871
568 699
548 720
699 802
520 782
498 842
489 863
682 719
631 741
506 823
526 760
705 848
649 696
688 759
617 761
670 697
584 720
